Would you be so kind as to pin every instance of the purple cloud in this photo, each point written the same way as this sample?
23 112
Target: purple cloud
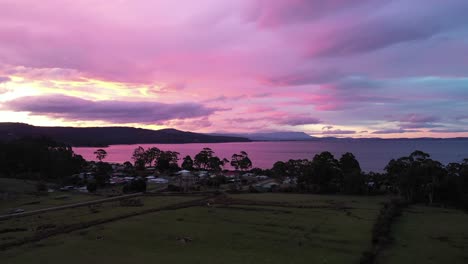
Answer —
377 32
301 77
4 79
417 118
418 121
299 120
267 13
356 64
75 109
395 131
453 130
338 132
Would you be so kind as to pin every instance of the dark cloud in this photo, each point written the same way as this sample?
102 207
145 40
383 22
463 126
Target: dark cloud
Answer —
72 108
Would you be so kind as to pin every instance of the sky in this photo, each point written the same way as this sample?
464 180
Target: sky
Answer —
361 68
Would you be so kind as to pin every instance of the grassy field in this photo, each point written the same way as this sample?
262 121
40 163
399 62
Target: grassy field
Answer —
429 235
220 234
16 185
21 196
361 202
289 230
33 224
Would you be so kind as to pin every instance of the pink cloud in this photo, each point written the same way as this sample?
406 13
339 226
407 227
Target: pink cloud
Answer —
275 64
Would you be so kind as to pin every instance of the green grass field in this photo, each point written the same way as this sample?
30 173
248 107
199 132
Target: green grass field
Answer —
362 202
61 218
283 233
233 234
21 196
429 235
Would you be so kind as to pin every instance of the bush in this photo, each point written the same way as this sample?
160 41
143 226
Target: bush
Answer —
288 189
464 202
173 188
91 187
41 187
138 185
253 189
381 230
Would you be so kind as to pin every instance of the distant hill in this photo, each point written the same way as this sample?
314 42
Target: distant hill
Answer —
104 136
274 136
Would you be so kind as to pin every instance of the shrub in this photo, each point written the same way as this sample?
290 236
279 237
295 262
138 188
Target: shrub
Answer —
41 187
91 187
173 188
138 185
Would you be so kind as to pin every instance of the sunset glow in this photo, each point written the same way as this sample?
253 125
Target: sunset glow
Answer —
341 68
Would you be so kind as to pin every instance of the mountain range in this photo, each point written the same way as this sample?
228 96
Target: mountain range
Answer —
271 136
104 136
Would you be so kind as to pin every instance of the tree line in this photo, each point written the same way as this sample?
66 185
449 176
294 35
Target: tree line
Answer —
168 161
38 159
416 177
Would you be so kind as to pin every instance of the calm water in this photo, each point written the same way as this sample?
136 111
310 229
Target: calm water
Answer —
373 155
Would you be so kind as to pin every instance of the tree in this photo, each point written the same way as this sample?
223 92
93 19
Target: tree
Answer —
151 155
102 174
39 159
416 176
241 161
463 183
138 158
202 159
326 172
279 169
167 159
187 164
348 163
400 177
322 174
215 163
353 180
128 166
100 154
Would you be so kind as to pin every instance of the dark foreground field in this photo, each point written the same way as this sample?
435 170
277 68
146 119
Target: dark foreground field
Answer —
429 235
298 229
247 228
